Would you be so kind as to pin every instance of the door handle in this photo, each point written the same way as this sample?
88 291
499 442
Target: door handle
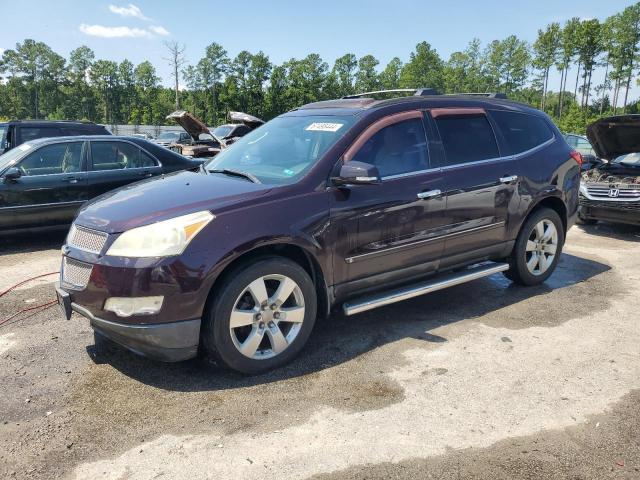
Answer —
71 179
146 174
508 179
429 194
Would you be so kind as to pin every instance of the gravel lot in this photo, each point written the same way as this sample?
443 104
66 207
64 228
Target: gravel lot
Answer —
484 380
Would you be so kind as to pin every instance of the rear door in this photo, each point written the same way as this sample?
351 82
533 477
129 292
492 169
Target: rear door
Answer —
114 163
480 181
52 187
389 231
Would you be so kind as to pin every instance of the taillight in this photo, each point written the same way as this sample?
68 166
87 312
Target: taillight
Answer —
577 156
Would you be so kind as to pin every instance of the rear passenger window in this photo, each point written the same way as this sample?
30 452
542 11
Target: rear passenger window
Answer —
117 156
467 138
522 131
396 149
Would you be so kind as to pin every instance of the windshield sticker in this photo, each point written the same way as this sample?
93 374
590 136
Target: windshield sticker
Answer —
324 127
24 147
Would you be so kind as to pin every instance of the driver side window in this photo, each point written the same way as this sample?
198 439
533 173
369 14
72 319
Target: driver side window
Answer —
396 149
54 159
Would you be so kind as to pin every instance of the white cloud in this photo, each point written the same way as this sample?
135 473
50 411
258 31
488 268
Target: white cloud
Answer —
159 30
114 32
130 11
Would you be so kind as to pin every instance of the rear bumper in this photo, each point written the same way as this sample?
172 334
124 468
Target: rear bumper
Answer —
167 342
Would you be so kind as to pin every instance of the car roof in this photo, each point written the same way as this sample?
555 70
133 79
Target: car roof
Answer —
52 122
40 141
361 105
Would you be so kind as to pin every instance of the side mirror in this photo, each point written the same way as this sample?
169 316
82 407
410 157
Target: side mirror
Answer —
357 173
12 174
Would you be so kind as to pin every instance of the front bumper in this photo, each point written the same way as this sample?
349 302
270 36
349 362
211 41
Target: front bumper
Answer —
167 342
609 211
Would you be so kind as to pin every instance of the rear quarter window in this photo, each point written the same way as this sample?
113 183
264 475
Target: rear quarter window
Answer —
522 131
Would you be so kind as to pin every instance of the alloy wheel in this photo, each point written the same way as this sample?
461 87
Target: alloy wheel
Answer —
541 247
267 316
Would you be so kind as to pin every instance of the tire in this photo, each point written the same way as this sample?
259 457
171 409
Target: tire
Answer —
268 333
533 260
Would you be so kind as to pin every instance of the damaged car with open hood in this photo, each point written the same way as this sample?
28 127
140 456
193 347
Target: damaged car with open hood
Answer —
208 143
611 191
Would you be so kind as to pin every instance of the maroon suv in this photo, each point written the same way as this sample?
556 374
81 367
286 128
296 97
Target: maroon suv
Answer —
355 202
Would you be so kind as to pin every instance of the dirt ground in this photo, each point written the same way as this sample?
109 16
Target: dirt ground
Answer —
484 380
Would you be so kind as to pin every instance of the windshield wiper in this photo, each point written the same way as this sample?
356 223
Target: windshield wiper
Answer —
236 173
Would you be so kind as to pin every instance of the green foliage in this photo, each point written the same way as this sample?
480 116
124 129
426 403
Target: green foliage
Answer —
36 82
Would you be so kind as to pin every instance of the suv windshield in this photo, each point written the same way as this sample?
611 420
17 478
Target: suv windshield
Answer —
222 131
629 159
3 137
284 149
169 136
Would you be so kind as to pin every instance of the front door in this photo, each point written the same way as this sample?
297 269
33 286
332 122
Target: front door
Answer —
51 188
389 231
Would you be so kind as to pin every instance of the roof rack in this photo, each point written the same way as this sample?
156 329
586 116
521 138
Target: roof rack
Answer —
419 92
488 94
424 92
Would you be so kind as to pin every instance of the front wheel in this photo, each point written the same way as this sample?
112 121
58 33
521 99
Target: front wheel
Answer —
262 315
537 249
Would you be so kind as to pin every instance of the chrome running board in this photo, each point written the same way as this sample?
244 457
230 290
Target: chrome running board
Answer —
415 290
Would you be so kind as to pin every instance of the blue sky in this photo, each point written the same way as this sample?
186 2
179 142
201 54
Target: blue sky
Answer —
282 29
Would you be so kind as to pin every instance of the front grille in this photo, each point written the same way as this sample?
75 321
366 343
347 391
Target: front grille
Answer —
86 239
603 190
74 274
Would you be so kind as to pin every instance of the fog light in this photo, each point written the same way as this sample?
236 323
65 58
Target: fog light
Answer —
126 307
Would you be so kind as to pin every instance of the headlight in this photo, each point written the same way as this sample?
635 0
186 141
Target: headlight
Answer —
161 239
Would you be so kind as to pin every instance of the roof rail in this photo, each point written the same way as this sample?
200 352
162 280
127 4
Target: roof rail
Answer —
419 92
488 94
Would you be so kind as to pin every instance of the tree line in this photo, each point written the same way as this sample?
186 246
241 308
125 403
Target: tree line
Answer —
39 83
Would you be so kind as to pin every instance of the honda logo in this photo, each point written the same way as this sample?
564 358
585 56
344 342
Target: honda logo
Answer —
614 192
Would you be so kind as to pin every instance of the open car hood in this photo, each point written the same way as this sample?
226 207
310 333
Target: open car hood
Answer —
191 124
615 136
249 120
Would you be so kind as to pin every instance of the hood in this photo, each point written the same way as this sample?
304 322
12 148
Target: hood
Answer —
165 197
615 136
192 125
248 120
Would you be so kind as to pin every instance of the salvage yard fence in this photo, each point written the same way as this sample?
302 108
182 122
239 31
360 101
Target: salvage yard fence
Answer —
153 130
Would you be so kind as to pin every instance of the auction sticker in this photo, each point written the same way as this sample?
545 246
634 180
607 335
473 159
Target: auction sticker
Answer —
324 127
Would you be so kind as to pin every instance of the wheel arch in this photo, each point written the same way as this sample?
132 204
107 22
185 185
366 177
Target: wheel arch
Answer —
554 203
291 251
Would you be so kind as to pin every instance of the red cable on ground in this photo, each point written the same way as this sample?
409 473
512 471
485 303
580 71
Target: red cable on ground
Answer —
47 305
2 294
44 306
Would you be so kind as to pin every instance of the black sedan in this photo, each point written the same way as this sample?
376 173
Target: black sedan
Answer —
44 182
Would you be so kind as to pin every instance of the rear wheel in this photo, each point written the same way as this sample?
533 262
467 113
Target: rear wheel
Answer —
262 316
537 249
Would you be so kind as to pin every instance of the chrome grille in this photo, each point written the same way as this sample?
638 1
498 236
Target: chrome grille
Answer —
603 190
86 239
74 274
